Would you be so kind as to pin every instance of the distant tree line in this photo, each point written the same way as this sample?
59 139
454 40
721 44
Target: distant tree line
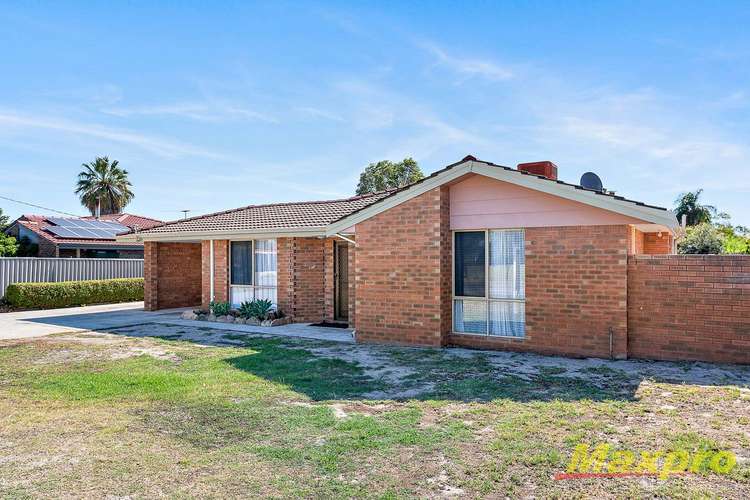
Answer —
708 231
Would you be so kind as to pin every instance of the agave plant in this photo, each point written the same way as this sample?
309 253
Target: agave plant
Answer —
258 308
219 308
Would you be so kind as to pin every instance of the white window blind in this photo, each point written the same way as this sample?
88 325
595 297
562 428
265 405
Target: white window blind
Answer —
500 310
255 258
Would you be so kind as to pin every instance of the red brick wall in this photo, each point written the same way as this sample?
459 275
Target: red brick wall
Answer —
172 275
221 271
301 278
400 266
635 245
308 279
689 307
653 244
576 285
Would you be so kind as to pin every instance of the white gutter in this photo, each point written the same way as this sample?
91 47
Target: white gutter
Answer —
211 272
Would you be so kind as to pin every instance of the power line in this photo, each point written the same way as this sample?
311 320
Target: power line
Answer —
38 206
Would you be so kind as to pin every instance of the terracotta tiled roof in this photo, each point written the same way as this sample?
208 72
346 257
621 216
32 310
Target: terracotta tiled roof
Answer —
38 224
306 214
130 220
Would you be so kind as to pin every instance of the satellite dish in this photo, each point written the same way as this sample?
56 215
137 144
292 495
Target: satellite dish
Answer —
590 180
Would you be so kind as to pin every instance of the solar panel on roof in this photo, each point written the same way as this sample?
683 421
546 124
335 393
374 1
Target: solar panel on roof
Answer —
62 232
58 221
85 229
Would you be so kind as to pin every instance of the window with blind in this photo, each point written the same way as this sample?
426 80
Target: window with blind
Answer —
252 271
489 283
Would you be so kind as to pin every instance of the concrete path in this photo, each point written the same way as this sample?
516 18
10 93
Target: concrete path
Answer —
28 324
303 330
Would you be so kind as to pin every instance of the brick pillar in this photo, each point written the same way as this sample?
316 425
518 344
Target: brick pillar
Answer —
446 266
284 275
221 271
352 284
328 278
150 275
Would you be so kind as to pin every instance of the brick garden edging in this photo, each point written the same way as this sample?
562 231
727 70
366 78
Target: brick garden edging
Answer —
203 316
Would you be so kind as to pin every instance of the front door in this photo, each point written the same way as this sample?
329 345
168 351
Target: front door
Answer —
341 281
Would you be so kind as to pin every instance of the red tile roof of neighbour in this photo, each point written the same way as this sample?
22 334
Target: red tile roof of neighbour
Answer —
306 214
38 224
129 220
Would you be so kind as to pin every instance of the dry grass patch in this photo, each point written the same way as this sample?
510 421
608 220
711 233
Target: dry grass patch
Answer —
205 413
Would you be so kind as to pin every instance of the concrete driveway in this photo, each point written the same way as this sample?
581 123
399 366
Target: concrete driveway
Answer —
26 324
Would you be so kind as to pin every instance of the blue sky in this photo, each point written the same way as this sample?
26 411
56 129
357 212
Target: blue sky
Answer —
216 105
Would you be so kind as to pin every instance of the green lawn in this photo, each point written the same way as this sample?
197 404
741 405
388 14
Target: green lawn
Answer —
163 410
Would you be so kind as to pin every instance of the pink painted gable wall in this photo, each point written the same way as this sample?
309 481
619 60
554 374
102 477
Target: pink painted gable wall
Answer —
479 202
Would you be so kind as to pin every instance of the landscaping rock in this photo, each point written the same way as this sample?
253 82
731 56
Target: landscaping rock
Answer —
210 317
252 321
280 321
188 315
239 321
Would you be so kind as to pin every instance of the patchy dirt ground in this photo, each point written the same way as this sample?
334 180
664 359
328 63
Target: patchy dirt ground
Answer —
168 410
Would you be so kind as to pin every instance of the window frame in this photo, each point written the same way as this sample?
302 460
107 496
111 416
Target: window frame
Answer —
486 299
252 263
253 274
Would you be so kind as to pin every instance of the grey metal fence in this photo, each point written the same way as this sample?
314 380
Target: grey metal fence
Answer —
32 269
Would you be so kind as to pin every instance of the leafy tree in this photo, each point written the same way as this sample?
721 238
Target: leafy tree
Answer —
105 185
4 220
703 238
388 175
688 204
8 245
734 239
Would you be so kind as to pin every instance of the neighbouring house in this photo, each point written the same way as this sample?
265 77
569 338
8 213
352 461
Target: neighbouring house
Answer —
474 255
81 237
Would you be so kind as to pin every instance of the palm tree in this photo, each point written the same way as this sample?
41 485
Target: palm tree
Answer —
104 187
687 204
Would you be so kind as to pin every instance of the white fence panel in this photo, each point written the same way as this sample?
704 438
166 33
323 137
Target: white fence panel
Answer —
33 269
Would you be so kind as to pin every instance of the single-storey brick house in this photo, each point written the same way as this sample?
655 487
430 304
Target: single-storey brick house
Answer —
476 255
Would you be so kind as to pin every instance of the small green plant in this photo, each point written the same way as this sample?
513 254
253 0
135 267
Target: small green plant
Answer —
258 308
219 308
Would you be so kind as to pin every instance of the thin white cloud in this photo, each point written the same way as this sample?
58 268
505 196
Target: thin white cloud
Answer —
421 131
161 147
468 67
320 113
208 112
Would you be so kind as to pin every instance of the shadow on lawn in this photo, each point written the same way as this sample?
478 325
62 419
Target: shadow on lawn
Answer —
432 375
327 370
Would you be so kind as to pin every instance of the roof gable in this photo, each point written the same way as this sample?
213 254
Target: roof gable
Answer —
607 201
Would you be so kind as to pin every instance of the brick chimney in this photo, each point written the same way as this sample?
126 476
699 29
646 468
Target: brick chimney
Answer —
544 168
